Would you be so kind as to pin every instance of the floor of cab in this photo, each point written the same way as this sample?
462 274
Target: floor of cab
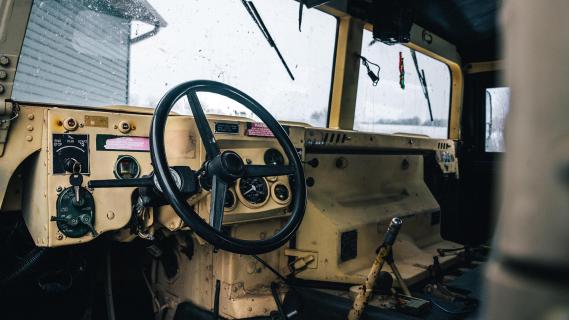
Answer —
303 303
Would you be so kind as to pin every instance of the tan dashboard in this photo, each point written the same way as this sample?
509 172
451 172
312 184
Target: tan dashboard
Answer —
113 144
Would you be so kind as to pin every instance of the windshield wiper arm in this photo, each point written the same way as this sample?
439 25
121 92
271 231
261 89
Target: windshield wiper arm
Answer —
259 22
423 81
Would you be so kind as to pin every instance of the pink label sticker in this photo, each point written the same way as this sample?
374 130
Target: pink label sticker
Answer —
128 143
257 129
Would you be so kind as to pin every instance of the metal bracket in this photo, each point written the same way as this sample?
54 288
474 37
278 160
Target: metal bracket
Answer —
303 259
8 112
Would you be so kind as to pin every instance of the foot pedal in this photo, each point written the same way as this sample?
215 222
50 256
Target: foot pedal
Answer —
412 306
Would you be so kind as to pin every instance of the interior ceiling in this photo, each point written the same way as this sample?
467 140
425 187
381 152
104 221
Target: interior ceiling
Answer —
469 24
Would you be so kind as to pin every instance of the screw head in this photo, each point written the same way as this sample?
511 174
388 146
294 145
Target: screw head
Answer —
4 60
59 189
3 75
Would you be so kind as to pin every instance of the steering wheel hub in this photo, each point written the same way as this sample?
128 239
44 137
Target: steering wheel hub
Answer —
228 166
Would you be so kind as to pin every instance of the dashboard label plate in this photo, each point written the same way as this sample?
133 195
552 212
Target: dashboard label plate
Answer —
227 127
259 129
108 142
97 121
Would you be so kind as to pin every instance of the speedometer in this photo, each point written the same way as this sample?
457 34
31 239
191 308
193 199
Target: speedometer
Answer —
253 192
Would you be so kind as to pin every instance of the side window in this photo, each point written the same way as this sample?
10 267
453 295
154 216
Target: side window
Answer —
497 107
411 96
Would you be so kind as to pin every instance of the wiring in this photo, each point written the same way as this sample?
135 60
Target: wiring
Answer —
454 312
374 76
264 263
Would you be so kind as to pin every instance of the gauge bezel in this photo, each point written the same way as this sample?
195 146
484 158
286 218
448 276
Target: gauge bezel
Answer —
251 204
117 163
277 152
274 194
235 198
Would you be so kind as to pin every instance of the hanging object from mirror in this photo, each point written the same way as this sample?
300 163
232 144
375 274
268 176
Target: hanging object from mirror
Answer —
374 76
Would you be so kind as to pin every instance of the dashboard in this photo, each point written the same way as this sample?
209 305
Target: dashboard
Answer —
79 146
70 147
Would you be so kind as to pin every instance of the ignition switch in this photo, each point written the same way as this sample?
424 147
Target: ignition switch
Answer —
75 208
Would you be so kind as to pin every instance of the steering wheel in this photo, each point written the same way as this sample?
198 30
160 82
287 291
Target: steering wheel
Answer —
224 168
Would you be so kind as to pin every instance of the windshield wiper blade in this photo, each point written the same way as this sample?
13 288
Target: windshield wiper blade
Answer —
250 6
423 81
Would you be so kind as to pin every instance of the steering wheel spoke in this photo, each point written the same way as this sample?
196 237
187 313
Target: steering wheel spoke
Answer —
218 191
208 139
267 170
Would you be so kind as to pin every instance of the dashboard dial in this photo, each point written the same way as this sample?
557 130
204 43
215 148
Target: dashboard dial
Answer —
70 153
253 192
280 193
230 200
126 167
273 157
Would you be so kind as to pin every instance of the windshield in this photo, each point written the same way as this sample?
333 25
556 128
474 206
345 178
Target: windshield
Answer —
102 52
412 94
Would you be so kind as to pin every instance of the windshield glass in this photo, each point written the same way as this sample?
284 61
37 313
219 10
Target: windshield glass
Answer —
104 52
397 103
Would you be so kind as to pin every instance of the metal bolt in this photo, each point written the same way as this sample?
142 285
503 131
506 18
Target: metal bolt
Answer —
60 237
29 138
30 128
31 116
4 60
110 215
3 75
59 189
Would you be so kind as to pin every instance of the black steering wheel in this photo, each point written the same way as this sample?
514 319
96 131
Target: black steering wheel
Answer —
224 168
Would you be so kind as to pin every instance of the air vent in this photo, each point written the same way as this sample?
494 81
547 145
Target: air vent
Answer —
334 138
443 145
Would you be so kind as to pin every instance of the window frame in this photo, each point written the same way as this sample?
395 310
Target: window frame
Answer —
411 47
342 113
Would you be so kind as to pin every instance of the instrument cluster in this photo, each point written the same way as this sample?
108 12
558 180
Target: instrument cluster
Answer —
255 192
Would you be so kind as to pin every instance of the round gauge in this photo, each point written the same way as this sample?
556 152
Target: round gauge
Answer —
175 176
230 200
280 193
253 192
273 157
126 167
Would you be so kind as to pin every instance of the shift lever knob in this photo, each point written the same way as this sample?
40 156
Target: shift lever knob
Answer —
392 231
